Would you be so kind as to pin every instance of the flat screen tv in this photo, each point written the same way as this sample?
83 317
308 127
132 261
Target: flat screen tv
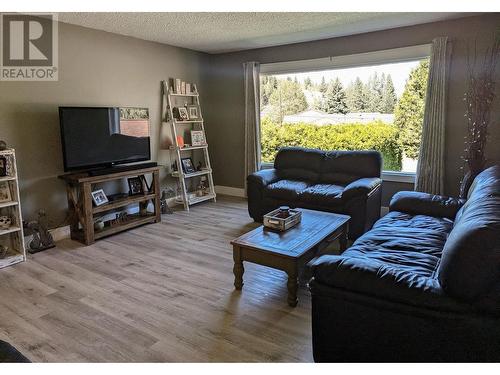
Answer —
94 137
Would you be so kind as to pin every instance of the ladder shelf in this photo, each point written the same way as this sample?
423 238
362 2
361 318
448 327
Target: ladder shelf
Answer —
170 100
12 249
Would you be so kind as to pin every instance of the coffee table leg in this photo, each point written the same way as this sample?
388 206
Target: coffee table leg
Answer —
238 268
292 285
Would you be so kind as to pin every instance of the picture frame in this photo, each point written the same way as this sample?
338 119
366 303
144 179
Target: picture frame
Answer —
198 138
135 186
193 112
182 114
99 197
188 165
5 195
3 166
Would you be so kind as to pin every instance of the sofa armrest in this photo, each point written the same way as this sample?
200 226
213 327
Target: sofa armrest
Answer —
362 186
263 178
417 203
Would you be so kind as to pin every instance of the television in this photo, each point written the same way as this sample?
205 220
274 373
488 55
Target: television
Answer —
94 137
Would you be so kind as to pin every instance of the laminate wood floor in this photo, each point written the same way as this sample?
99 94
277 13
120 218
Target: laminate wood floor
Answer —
159 293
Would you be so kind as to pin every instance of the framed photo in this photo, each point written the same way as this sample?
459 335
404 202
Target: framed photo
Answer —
3 166
188 165
5 192
99 197
135 186
182 114
198 138
193 112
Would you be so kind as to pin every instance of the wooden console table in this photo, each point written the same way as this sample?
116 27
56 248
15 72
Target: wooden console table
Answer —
82 211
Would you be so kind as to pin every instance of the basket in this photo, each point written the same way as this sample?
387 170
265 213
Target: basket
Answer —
275 220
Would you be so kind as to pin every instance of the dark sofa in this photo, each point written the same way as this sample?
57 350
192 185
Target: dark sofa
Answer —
9 354
422 285
334 181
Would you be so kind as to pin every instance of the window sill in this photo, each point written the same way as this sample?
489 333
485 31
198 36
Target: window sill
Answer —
407 177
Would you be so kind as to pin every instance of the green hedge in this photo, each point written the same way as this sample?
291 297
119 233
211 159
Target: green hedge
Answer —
373 136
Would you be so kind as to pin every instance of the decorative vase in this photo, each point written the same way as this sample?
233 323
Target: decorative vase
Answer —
98 225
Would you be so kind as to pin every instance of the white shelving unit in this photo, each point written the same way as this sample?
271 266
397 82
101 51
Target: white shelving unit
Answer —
171 100
13 237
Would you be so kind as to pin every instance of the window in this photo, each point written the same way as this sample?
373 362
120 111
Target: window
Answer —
357 102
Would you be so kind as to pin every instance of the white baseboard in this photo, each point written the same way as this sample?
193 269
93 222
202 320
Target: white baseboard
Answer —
60 233
232 191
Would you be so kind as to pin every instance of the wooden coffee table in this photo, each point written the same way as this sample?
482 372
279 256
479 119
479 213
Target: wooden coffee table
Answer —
289 251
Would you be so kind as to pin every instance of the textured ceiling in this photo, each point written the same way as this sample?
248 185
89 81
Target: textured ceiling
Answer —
223 32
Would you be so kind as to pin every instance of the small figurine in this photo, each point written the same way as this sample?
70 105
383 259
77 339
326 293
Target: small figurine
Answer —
3 251
42 239
199 166
3 145
164 209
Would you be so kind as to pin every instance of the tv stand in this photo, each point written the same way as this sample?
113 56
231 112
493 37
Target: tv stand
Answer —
120 168
82 211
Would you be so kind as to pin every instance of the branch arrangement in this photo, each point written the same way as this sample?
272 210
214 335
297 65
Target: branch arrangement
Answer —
478 100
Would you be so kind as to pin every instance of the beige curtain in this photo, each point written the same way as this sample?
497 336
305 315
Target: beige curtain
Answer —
252 117
430 167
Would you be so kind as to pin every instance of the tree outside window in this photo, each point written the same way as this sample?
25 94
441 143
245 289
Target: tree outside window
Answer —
379 107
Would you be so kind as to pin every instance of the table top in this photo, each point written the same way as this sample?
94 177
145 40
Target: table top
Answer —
314 228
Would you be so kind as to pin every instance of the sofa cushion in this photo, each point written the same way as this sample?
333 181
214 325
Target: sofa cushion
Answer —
418 203
346 166
322 194
403 232
470 266
287 190
397 260
9 354
297 163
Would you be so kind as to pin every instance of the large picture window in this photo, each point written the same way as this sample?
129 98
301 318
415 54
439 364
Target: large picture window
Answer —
378 106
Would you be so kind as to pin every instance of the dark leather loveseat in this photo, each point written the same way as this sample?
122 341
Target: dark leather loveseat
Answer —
335 181
422 285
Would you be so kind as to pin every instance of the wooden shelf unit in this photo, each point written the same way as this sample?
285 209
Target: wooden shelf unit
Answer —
168 103
82 212
13 237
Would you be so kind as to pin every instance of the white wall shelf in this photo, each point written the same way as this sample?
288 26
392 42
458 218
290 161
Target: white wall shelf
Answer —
168 104
13 236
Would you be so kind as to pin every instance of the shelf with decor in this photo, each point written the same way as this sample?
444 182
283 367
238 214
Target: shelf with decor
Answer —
8 204
194 174
186 95
189 148
12 247
177 114
87 203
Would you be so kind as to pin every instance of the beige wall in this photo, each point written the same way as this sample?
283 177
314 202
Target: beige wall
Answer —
226 107
95 68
